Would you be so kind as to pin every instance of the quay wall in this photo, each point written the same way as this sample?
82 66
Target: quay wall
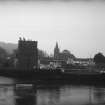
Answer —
53 75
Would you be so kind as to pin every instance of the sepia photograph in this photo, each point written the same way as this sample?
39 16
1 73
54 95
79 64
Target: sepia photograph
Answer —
52 52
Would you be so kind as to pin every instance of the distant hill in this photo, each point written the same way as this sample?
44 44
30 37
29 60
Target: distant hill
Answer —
9 47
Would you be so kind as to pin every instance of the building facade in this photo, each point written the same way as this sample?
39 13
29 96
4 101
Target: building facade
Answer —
27 54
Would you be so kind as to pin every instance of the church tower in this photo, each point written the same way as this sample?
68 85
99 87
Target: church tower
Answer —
27 54
56 52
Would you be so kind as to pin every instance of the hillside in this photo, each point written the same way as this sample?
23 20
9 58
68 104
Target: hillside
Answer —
9 47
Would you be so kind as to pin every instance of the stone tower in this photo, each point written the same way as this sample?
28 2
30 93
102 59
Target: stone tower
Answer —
56 52
27 54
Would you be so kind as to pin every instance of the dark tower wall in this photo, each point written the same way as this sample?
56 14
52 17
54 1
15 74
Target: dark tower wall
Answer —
27 54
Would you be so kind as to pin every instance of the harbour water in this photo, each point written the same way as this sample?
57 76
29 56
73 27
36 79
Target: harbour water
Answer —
21 93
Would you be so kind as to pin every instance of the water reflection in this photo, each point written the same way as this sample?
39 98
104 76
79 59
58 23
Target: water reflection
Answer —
99 95
7 94
48 95
12 93
26 95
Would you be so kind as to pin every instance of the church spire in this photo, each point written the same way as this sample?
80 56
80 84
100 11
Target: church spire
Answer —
56 51
57 45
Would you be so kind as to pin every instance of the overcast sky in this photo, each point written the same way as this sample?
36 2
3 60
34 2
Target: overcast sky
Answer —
77 26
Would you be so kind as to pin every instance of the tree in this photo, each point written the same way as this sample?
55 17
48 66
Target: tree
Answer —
99 58
42 54
3 56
